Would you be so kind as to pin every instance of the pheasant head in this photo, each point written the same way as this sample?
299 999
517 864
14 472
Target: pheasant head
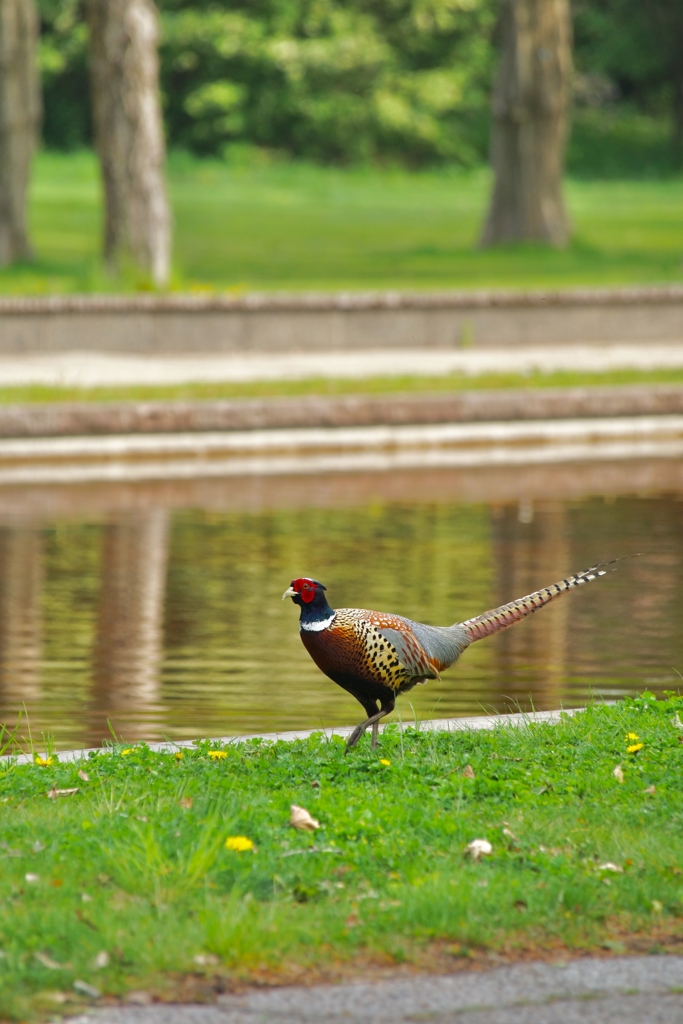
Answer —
305 591
309 595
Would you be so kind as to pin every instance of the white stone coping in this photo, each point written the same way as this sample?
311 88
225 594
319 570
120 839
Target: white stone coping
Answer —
423 435
88 369
478 723
304 451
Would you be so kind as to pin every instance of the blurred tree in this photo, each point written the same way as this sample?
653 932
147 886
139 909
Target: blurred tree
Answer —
19 122
129 135
530 101
328 80
382 80
639 48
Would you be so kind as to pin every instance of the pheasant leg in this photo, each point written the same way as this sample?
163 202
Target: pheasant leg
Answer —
373 721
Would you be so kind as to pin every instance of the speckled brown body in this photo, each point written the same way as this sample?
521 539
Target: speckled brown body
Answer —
355 652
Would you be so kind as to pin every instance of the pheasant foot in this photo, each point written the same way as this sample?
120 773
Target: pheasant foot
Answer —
360 729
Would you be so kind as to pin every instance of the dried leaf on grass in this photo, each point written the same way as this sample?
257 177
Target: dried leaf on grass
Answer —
618 773
86 989
47 961
101 960
58 997
206 959
185 802
83 775
139 998
609 866
54 792
468 772
651 790
301 819
479 848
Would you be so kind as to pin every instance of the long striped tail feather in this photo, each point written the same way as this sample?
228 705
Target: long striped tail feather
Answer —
500 618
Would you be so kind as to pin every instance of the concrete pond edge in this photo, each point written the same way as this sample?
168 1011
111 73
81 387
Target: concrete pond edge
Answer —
98 419
470 724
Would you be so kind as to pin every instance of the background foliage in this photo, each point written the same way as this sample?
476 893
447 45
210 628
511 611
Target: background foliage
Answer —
329 80
396 81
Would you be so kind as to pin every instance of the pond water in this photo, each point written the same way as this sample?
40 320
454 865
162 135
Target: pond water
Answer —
156 612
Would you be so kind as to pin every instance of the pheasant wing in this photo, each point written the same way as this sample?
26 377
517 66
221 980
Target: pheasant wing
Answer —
395 648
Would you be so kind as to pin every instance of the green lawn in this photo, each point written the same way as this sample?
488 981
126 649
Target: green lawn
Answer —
295 226
128 883
323 386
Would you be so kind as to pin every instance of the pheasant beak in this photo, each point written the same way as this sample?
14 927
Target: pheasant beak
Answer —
289 592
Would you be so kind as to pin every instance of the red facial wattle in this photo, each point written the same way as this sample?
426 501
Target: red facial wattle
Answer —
305 589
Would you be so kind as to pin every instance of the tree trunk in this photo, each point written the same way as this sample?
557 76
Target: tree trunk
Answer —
124 72
19 120
530 102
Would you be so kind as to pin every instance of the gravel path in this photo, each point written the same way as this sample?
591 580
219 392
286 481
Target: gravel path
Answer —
624 990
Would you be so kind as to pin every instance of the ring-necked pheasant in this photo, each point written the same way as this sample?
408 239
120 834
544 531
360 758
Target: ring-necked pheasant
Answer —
375 656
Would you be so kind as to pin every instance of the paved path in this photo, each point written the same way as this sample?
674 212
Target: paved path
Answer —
92 369
636 990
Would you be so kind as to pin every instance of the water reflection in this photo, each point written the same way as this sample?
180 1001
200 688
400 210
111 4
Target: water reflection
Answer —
158 609
531 542
128 647
21 580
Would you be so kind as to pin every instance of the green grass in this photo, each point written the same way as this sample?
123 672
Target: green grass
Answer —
135 865
319 386
295 226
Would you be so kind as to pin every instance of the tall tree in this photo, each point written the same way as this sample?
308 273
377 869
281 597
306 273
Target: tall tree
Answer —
124 72
19 121
530 104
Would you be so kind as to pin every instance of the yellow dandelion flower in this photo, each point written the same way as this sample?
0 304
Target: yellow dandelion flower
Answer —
217 755
128 750
43 762
178 755
239 843
634 748
632 736
383 760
